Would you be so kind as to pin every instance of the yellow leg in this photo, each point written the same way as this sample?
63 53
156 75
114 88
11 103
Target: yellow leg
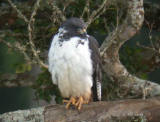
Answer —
86 101
69 102
80 102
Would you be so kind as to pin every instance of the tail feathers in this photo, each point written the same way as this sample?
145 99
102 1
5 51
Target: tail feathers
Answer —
98 81
96 94
98 90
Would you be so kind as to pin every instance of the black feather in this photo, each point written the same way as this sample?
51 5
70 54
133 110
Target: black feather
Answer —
73 25
97 65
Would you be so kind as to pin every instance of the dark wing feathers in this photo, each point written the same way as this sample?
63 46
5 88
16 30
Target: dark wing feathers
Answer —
97 68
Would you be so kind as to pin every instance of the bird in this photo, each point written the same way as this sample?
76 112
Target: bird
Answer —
75 63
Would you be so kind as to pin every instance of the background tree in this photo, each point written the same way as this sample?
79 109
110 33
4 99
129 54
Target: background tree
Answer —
30 27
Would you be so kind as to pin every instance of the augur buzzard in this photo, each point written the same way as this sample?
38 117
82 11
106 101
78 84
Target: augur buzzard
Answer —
74 63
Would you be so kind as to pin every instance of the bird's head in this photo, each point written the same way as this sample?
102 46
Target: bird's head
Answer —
74 25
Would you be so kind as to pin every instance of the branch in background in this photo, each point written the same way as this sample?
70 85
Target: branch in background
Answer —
96 13
21 47
20 79
86 10
57 10
125 110
66 4
30 33
16 80
21 15
132 23
106 111
17 46
110 48
155 47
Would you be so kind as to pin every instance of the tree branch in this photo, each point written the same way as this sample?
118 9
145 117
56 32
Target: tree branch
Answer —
21 15
140 110
110 48
16 80
86 9
30 33
96 13
30 24
56 10
132 23
17 46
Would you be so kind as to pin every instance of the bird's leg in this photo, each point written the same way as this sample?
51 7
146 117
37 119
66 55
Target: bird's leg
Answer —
83 100
86 101
69 102
80 102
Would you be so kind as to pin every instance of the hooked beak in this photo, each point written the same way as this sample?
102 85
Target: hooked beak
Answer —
82 31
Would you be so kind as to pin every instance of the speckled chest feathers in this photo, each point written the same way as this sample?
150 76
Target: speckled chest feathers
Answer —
74 61
70 64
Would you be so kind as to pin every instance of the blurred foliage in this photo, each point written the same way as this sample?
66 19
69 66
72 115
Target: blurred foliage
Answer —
24 67
152 16
47 22
9 59
110 89
44 88
46 25
134 65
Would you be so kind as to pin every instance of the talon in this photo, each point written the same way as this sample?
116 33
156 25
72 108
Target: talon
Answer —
86 101
65 101
69 102
79 103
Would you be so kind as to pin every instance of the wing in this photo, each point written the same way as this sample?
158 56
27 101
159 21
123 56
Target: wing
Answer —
51 58
97 68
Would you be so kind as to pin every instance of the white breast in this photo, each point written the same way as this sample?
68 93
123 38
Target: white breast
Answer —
71 66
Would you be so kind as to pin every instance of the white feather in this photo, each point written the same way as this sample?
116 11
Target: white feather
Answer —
70 65
99 90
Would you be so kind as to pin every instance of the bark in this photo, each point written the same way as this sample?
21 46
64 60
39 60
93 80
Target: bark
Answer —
148 110
110 49
16 80
124 110
32 115
20 79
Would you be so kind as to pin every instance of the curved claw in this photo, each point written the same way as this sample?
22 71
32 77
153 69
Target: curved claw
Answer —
77 102
69 102
80 102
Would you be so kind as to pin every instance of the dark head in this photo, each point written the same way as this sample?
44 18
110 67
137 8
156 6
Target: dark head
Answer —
74 25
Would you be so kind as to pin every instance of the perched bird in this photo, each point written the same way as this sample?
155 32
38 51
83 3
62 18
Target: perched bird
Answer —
74 63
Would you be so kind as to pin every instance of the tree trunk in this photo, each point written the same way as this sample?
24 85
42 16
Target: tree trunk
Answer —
113 111
110 52
142 110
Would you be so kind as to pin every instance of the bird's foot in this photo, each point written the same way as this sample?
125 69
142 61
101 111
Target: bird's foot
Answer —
86 101
69 102
79 102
